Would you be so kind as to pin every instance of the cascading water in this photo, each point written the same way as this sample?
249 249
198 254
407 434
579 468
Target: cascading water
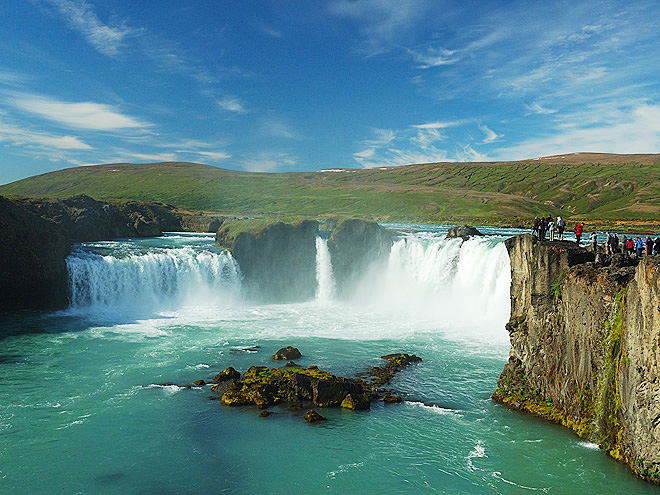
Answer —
325 289
149 311
464 284
151 279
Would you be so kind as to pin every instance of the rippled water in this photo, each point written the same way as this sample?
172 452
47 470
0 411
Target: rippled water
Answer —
81 411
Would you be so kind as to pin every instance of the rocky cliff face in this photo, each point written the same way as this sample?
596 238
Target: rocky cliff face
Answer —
278 260
357 246
585 340
37 236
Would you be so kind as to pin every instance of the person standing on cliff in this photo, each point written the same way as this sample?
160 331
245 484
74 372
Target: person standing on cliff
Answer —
551 229
535 226
543 226
594 241
578 233
639 246
561 225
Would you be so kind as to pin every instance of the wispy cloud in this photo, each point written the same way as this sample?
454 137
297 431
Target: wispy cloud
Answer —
535 107
232 104
277 128
20 136
382 22
268 161
433 57
152 157
424 143
215 156
84 115
79 16
598 129
491 136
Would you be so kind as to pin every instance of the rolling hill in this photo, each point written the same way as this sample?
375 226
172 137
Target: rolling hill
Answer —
598 188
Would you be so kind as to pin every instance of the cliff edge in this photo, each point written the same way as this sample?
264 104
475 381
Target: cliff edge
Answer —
585 346
37 235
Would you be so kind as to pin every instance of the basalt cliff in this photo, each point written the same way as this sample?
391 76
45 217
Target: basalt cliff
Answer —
585 346
37 235
278 259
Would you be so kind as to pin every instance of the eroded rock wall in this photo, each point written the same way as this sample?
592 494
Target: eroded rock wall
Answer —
36 237
357 247
278 261
584 347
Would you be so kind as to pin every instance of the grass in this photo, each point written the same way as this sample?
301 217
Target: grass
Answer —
602 190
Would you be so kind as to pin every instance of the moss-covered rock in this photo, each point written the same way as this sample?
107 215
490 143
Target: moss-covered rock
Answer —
356 402
313 417
263 387
287 352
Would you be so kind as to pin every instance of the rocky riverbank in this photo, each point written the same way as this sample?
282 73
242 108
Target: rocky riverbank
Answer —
585 346
37 235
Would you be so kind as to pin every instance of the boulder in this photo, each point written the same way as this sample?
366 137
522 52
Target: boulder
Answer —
463 231
356 402
227 374
287 352
313 417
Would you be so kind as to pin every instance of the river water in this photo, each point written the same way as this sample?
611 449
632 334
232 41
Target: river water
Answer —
82 411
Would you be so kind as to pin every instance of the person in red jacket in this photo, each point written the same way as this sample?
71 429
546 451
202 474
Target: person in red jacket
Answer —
578 233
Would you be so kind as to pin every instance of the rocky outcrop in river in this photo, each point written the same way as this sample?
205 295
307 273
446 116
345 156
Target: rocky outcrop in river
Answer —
37 235
357 246
278 259
585 346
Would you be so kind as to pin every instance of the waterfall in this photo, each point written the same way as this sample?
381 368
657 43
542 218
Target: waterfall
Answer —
463 283
152 279
325 288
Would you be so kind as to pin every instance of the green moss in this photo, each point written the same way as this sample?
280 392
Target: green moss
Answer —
608 404
556 284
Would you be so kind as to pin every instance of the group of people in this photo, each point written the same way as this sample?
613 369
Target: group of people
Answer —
627 245
547 225
632 246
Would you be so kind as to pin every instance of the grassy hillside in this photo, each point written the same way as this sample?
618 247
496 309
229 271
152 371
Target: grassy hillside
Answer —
590 187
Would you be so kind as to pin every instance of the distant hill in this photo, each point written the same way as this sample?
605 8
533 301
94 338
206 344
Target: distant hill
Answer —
591 187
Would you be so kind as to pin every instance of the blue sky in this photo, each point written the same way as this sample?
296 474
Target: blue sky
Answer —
299 86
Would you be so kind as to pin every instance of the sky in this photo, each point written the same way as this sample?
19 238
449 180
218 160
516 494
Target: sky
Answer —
289 86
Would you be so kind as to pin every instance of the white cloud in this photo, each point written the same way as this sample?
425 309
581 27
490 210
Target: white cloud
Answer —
636 130
215 155
368 153
490 135
232 104
277 128
433 57
439 125
535 107
19 136
85 115
80 17
267 161
382 22
153 157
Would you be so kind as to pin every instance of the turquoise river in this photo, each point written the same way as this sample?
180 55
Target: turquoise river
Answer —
83 409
